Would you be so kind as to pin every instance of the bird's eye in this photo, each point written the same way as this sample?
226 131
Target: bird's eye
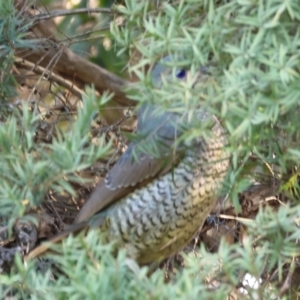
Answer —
180 73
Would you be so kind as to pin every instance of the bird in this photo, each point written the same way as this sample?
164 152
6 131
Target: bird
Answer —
152 203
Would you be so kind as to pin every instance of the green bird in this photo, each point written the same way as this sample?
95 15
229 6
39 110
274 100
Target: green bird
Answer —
154 205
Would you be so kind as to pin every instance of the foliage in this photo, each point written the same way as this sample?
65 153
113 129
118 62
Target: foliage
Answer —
86 269
30 169
252 51
9 39
252 47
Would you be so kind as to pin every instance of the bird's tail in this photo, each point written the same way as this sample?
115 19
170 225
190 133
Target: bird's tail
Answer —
43 248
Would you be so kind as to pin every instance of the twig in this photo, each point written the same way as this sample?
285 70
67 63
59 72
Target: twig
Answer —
68 12
287 283
243 220
51 76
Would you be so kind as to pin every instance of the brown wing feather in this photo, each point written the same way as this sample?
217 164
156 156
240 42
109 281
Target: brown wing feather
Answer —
100 198
123 178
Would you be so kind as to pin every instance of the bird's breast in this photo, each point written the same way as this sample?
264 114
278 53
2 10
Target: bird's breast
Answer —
161 218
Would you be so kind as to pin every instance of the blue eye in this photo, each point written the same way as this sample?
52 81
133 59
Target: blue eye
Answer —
180 73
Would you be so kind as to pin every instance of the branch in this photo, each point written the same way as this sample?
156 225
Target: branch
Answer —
25 64
67 12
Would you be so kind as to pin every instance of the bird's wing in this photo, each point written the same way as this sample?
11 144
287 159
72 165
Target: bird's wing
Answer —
123 178
129 171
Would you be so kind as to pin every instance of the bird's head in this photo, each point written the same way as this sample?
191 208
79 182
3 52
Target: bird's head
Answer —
164 72
174 109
